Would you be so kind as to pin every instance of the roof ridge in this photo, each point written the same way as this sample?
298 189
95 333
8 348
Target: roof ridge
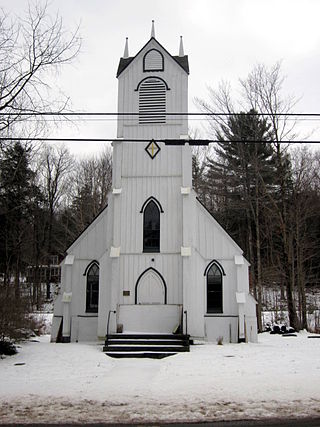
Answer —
182 61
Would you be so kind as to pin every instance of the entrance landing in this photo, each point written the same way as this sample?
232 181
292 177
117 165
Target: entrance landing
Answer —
150 318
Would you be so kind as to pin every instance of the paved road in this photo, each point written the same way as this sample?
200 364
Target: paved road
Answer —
306 422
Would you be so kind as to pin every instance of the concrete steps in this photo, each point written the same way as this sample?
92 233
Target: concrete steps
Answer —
145 345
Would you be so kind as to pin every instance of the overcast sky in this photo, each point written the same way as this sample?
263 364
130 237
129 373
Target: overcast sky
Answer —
223 38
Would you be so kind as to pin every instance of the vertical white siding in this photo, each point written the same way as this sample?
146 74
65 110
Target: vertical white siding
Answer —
176 98
132 266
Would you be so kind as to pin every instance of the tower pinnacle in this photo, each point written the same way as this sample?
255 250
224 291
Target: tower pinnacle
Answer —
126 49
153 34
181 51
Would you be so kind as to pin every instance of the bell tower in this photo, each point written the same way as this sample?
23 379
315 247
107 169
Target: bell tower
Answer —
153 84
149 226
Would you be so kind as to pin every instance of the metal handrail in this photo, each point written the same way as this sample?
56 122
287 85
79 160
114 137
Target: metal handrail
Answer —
186 314
110 311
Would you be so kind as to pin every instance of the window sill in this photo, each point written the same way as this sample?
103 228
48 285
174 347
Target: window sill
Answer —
220 315
88 315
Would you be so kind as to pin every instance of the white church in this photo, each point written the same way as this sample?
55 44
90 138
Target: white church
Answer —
154 260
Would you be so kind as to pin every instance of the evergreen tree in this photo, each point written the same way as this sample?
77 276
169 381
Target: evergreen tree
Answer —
16 194
241 175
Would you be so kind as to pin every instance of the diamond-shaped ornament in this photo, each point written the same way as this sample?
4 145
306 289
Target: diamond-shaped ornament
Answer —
152 149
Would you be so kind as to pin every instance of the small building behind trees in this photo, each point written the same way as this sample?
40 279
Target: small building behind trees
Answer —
43 278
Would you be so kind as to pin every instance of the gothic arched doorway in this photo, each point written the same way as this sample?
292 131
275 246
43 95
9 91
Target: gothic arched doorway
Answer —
151 288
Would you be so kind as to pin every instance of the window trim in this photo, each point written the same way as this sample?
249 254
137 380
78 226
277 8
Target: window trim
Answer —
144 61
140 277
222 273
90 265
143 209
149 200
214 261
87 270
151 77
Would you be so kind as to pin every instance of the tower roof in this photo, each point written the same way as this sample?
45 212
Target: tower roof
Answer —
180 60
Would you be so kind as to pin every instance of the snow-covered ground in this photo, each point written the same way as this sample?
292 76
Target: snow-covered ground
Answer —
278 377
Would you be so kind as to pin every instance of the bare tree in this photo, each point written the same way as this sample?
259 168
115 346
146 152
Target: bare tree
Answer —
92 183
56 169
262 91
305 220
30 47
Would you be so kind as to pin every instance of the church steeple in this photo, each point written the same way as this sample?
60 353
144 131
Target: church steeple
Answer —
181 50
153 34
126 49
152 83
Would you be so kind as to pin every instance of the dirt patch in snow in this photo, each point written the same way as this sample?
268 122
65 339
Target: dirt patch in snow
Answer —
33 410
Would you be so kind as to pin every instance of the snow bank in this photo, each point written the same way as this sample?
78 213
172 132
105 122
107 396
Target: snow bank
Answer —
278 377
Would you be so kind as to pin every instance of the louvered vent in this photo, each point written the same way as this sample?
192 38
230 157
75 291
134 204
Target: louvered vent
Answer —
153 61
152 101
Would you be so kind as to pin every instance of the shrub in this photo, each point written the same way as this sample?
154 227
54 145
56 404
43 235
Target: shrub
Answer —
7 348
14 315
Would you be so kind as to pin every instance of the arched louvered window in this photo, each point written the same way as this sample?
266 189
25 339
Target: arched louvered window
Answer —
214 290
151 228
152 101
92 289
153 61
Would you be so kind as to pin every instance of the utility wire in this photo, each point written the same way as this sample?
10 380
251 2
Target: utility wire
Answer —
165 141
169 119
52 113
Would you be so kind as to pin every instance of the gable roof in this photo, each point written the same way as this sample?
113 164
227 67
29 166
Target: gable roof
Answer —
235 244
86 229
182 61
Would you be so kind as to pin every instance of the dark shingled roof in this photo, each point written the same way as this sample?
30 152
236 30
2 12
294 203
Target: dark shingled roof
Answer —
124 62
181 60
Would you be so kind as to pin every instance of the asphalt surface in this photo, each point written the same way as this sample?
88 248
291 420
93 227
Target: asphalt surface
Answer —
304 422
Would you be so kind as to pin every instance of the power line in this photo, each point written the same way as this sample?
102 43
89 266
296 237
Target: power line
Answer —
133 119
119 114
165 141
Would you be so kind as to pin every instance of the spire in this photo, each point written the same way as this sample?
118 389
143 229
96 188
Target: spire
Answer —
181 51
153 34
126 49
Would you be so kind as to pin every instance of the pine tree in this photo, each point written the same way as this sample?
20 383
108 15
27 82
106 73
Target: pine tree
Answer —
16 194
240 176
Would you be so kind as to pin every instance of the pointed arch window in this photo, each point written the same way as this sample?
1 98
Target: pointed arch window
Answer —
214 289
92 298
151 227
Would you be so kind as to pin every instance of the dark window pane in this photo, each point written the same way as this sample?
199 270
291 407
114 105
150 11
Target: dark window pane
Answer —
92 289
151 228
214 290
94 270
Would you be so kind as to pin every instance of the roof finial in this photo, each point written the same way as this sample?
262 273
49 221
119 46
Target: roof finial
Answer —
153 34
181 51
126 49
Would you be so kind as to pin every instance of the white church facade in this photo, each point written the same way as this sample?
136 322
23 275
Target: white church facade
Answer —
154 260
